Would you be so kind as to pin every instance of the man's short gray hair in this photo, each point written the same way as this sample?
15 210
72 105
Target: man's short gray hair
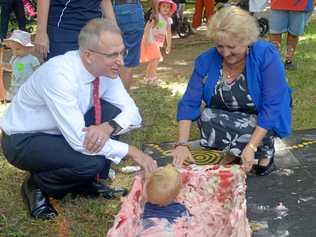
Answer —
90 34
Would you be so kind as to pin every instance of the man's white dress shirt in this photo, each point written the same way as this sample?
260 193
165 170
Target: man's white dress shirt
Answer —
56 97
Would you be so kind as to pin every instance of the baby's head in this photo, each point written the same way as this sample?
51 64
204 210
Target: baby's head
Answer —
163 186
20 43
167 7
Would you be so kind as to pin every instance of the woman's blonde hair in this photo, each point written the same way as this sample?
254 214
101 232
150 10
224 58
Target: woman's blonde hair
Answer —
233 23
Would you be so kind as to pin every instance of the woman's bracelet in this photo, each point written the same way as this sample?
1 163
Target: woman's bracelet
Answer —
186 144
252 147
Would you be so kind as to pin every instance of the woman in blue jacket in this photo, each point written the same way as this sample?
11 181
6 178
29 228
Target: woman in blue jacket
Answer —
238 93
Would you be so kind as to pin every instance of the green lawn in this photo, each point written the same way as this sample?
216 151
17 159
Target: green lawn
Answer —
93 217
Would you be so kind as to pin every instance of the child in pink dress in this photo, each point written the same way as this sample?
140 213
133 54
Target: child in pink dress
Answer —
155 34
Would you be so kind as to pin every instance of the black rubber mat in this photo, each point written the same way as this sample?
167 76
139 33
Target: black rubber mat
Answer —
284 203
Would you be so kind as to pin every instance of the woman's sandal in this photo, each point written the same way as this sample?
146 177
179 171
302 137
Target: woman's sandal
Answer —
265 170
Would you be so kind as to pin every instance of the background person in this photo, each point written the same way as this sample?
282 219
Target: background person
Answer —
6 7
130 18
60 21
154 38
22 63
202 8
288 17
241 83
58 129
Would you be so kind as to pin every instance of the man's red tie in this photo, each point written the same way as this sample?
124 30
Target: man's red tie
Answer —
96 101
97 107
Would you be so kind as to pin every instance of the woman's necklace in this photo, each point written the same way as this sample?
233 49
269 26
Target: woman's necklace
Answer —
230 73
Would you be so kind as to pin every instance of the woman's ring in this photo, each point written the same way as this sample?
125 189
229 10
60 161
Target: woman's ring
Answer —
99 140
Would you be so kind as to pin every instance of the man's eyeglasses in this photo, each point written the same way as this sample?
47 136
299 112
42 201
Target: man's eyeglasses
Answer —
114 55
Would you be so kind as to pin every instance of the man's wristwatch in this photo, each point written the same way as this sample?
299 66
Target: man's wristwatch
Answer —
116 127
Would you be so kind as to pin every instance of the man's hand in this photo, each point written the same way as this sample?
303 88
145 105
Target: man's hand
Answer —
145 161
247 157
180 154
97 136
42 44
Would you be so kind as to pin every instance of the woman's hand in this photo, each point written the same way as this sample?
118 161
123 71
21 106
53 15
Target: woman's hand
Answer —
247 157
42 44
144 160
180 154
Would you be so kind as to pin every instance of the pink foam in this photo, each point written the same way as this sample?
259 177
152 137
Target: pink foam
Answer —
214 196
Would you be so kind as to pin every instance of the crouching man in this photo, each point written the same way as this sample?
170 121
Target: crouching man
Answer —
59 126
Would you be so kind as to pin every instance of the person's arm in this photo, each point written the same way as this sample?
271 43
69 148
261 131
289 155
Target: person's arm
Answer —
168 39
189 110
155 12
273 91
149 25
144 160
181 151
41 38
35 63
59 91
116 94
107 10
7 67
248 153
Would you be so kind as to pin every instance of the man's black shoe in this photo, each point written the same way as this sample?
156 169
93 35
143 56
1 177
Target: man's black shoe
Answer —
107 191
38 204
96 189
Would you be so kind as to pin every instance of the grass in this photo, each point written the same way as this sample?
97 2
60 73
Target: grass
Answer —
93 217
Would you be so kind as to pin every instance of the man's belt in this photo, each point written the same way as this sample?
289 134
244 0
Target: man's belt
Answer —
120 2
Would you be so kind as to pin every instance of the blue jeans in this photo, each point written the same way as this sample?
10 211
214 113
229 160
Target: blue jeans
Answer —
130 18
287 21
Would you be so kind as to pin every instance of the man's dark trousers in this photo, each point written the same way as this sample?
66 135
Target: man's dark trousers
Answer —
54 166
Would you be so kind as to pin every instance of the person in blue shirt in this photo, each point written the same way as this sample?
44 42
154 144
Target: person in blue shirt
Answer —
241 86
6 7
129 15
60 21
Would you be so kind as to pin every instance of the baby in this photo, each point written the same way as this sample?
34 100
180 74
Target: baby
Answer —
22 63
161 189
